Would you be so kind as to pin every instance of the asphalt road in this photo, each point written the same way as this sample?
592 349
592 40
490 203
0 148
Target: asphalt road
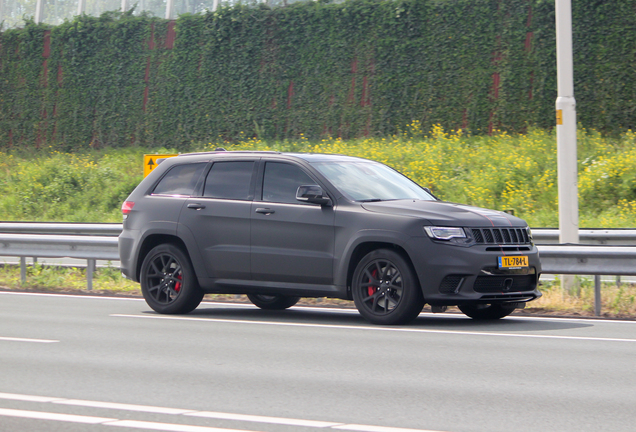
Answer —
80 363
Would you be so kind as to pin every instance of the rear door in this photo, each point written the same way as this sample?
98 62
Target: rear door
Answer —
219 220
291 241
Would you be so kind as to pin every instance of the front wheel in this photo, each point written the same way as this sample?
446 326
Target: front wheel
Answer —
385 289
487 311
168 281
273 302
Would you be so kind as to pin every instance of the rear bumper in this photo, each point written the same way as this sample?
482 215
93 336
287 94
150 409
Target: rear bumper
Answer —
126 246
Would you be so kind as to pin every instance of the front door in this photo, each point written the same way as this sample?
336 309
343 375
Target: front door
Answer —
291 241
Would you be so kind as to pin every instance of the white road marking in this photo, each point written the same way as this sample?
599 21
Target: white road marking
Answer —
134 424
365 428
70 296
263 419
373 328
27 398
170 426
54 416
12 339
87 296
120 406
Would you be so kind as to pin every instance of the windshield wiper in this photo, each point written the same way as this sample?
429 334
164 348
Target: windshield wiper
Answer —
371 200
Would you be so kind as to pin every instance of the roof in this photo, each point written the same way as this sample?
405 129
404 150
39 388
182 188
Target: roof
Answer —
309 157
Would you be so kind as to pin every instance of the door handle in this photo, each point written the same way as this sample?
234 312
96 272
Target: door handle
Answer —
265 211
196 206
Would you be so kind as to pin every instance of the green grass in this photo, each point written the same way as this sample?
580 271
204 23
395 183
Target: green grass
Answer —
504 172
60 187
42 277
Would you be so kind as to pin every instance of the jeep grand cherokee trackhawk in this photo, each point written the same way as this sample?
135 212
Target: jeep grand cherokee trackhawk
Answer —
279 226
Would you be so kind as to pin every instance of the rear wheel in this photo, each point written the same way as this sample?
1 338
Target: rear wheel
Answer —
273 302
168 281
487 311
385 289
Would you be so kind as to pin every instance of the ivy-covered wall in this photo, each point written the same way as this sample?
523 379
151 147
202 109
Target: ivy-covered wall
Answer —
362 67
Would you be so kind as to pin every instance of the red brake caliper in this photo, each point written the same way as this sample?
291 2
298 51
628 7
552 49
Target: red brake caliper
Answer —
177 286
373 290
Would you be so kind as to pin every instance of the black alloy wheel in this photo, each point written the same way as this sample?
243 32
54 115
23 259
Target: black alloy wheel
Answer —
168 281
273 302
487 311
385 289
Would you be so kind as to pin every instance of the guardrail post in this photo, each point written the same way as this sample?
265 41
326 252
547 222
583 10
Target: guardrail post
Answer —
22 270
597 295
90 267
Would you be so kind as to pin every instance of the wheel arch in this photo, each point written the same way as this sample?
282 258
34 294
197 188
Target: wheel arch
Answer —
362 249
155 240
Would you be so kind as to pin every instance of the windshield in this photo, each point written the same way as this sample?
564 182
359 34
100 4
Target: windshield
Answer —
370 181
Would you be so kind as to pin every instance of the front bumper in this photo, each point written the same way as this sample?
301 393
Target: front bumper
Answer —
453 275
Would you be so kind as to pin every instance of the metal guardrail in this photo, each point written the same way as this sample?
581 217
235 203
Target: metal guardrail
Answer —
102 229
616 237
588 260
26 239
90 248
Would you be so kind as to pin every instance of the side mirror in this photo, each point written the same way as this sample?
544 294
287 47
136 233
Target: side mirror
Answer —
312 194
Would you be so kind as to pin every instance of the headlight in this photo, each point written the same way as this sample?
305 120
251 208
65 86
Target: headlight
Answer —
444 233
529 231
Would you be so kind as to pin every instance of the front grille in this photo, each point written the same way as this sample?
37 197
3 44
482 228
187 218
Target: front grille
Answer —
500 235
505 283
450 284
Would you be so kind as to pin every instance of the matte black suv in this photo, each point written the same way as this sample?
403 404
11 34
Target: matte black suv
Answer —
279 226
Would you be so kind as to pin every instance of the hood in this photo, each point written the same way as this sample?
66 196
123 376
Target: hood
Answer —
445 213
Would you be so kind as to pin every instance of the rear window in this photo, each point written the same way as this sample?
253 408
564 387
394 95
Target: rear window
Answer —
180 180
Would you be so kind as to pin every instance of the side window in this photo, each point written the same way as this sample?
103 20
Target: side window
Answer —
281 181
229 180
180 180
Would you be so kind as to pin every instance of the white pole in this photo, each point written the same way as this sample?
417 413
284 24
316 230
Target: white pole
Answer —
81 7
2 18
566 134
124 5
39 11
566 127
169 9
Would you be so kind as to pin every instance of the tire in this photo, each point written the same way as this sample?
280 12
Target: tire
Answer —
487 311
168 281
385 289
273 302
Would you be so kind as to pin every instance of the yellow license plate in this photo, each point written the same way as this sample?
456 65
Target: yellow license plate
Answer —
513 261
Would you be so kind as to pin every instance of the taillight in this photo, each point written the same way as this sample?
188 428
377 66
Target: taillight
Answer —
126 207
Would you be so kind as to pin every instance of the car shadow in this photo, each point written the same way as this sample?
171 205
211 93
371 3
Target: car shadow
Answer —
350 317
